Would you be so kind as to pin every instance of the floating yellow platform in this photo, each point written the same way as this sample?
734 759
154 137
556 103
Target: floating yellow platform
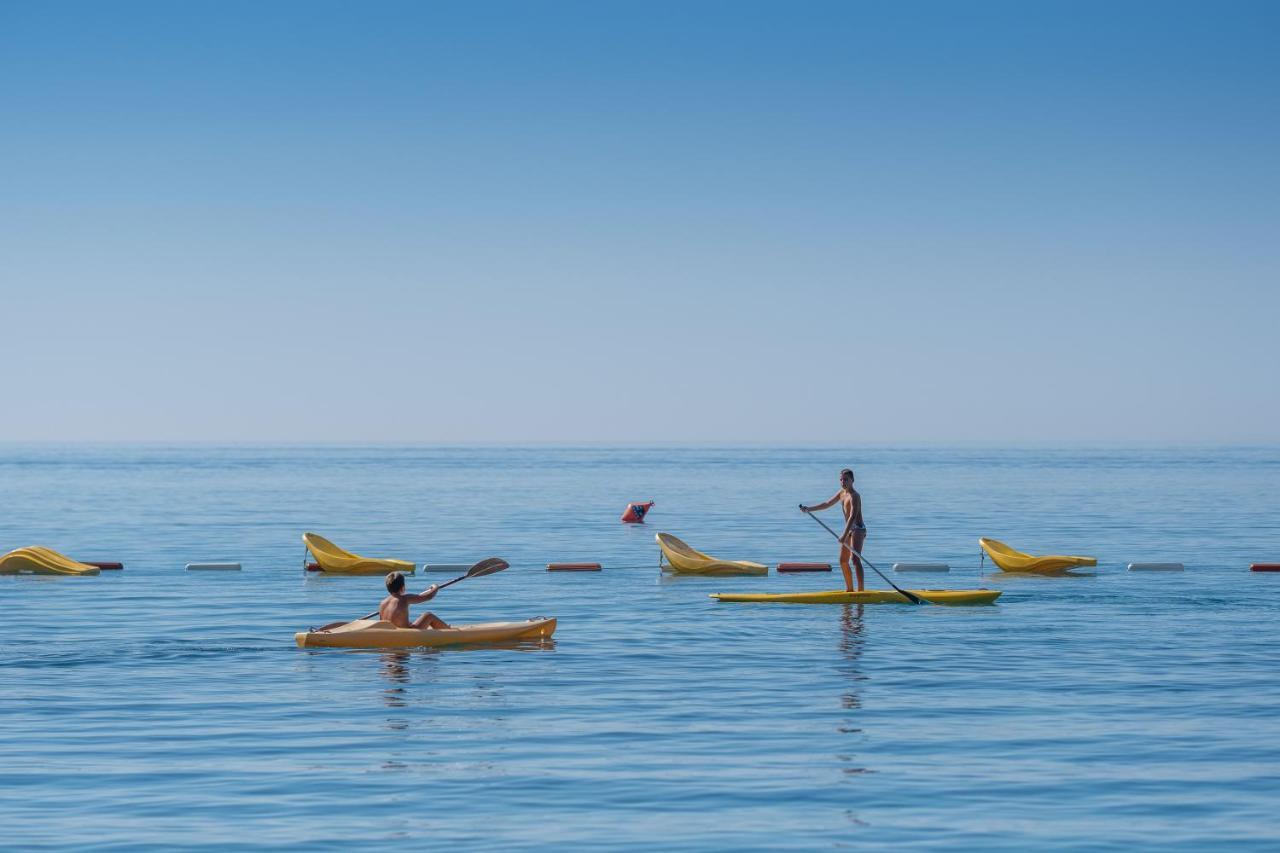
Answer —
1011 560
684 560
336 561
36 560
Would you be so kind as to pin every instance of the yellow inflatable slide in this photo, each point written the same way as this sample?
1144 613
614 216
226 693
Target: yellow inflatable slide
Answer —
1012 560
684 560
35 560
336 561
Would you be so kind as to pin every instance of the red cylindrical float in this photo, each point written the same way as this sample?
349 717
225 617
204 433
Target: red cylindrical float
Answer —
115 566
636 512
804 567
1265 567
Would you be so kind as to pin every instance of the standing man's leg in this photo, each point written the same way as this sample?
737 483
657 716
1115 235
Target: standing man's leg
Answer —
844 567
859 537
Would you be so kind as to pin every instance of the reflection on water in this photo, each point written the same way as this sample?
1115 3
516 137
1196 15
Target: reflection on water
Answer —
851 643
395 668
397 665
1031 576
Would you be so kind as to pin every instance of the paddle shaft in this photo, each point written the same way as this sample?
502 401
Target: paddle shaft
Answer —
914 599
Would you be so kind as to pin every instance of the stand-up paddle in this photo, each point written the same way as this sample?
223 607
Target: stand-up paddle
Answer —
909 596
487 566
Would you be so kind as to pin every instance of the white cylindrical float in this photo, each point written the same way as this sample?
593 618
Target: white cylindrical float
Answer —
451 568
213 567
921 567
1156 567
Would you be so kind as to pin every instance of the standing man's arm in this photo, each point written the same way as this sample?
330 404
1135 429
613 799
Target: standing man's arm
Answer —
824 505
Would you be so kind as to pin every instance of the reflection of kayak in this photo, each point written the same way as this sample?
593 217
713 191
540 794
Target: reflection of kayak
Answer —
685 560
1012 560
338 561
868 596
35 560
377 634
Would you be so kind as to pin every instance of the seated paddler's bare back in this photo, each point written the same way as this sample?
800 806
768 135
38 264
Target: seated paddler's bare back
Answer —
394 609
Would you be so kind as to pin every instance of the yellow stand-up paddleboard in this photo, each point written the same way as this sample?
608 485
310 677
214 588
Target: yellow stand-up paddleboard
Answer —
1012 560
35 560
683 560
868 596
378 634
336 561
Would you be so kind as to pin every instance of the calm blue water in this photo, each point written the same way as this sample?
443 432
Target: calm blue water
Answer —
157 707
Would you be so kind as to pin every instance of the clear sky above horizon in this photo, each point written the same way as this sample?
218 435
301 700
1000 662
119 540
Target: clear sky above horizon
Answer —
332 221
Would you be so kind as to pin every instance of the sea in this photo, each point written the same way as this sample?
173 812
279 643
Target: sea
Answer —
160 708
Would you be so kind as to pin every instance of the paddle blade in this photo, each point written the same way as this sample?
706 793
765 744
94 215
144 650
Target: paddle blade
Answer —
487 566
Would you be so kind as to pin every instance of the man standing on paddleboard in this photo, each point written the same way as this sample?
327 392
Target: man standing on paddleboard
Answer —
855 532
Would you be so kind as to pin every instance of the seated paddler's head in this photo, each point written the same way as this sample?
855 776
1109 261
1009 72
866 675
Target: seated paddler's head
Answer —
395 583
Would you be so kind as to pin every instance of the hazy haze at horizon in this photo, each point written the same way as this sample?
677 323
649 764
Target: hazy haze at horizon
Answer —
833 223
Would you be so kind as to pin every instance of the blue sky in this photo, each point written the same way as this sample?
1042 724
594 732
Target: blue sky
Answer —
781 222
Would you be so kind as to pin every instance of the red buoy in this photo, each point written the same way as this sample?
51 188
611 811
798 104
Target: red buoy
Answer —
574 567
636 512
1265 567
804 567
116 566
314 567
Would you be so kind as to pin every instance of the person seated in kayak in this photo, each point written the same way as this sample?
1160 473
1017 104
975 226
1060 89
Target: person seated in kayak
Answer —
395 607
855 532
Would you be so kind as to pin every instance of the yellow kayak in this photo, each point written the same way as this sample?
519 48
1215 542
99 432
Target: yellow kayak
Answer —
378 634
1012 560
684 560
35 560
337 561
867 596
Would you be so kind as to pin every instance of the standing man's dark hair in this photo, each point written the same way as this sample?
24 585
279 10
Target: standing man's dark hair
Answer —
848 471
